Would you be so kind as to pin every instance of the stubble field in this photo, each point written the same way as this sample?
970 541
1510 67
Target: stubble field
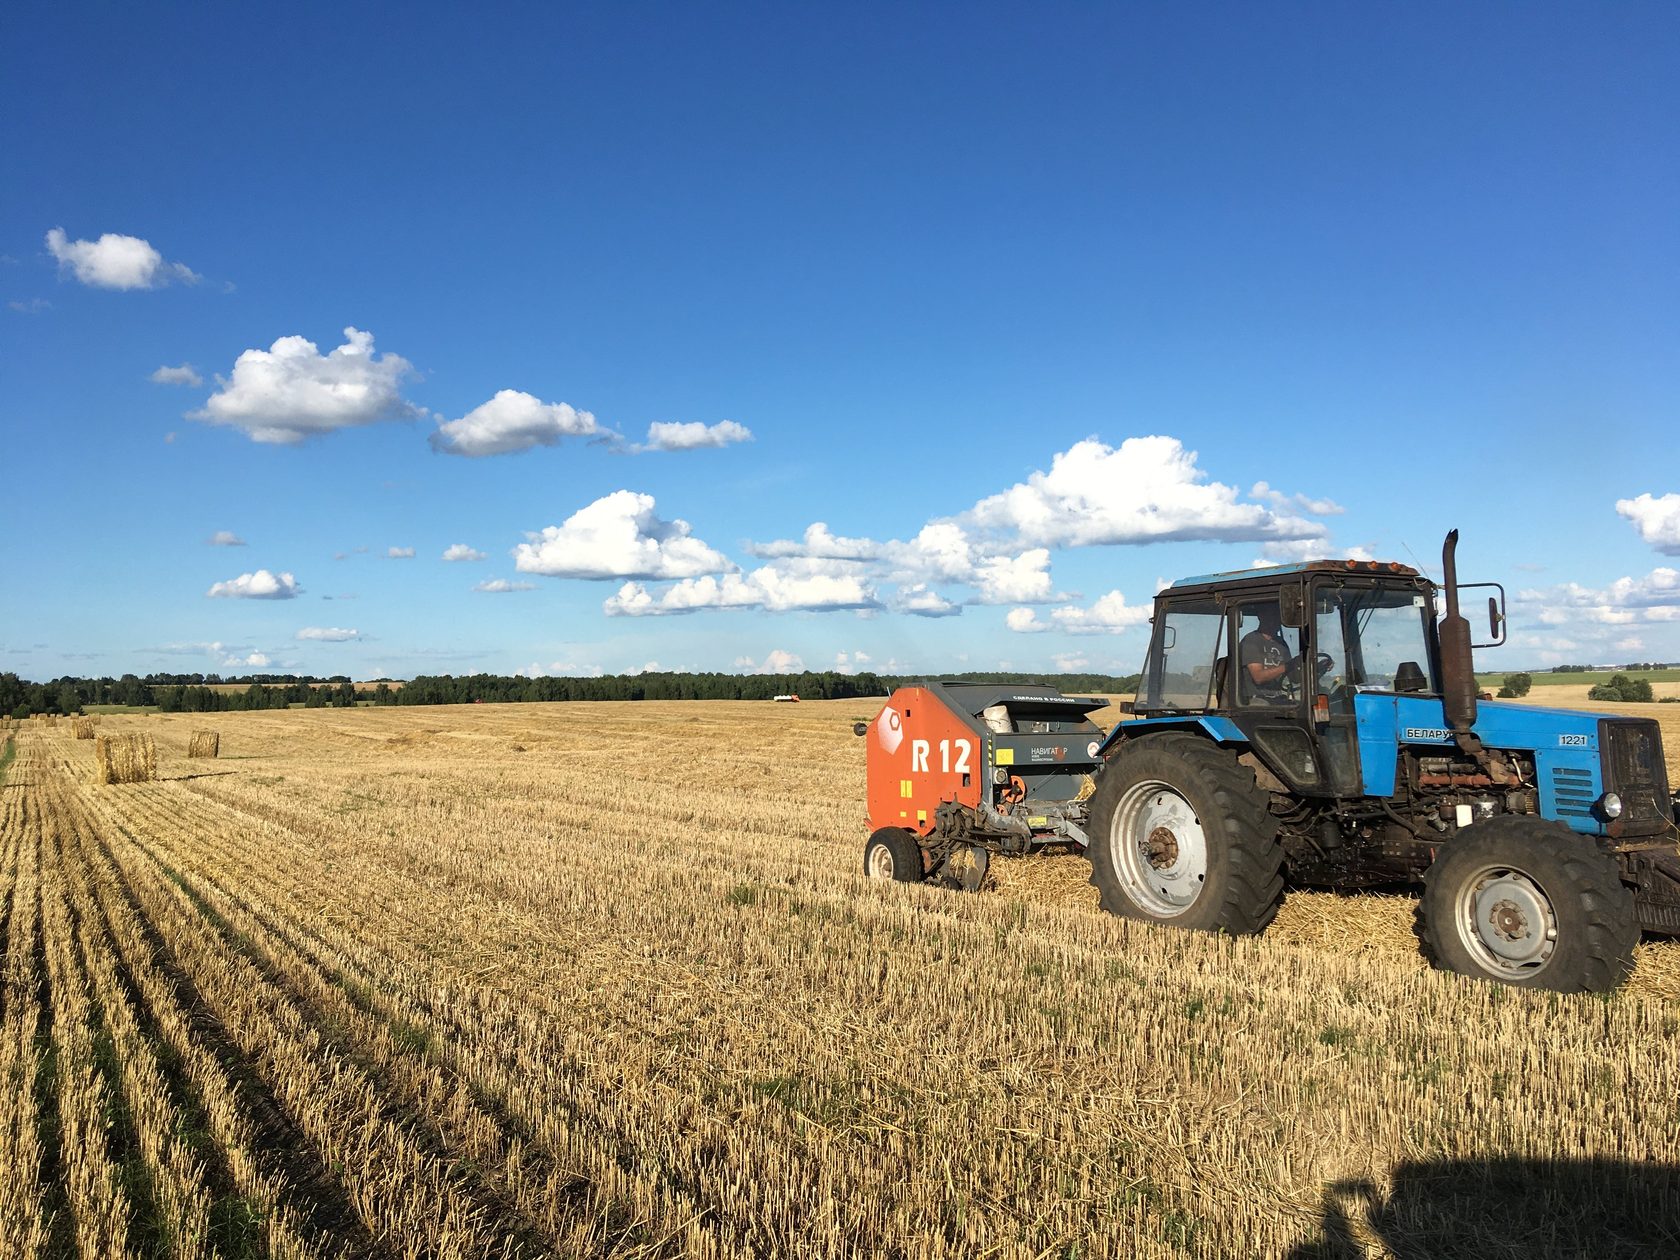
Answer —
606 980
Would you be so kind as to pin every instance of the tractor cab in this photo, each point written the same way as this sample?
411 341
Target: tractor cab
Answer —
1278 659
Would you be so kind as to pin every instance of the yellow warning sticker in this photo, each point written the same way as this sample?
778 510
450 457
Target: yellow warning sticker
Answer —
921 815
905 789
1005 757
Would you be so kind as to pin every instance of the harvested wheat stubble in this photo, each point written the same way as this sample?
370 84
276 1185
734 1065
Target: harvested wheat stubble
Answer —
126 758
205 744
81 728
539 1035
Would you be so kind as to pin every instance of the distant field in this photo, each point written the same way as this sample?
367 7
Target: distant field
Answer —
606 979
1569 690
1593 679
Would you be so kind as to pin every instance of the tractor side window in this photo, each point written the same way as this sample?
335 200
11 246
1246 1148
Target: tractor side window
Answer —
1268 656
1185 656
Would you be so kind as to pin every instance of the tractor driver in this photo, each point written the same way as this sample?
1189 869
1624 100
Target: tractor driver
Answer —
1266 659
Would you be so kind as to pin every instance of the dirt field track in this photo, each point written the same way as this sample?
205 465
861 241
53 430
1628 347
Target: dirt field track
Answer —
605 980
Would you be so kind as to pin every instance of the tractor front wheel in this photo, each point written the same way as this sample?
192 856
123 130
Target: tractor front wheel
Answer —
893 853
1181 834
1528 902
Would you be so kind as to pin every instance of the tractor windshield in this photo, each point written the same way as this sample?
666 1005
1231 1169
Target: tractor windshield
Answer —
1376 639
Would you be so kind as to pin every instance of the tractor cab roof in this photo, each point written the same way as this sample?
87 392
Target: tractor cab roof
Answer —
1275 573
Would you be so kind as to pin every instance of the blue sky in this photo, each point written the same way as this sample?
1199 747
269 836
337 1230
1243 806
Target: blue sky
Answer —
1028 307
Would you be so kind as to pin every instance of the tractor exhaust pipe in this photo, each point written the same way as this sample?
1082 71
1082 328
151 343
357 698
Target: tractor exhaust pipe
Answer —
1458 670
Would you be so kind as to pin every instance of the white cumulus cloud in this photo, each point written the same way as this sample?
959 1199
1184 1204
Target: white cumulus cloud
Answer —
327 634
819 543
186 374
115 261
1148 489
501 586
1022 579
256 660
460 551
291 391
1109 615
1024 621
1295 502
669 436
777 661
399 553
512 421
618 536
921 600
259 585
781 586
225 538
1654 598
1656 518
1302 550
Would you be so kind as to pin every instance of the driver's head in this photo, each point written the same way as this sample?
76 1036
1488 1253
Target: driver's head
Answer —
1270 622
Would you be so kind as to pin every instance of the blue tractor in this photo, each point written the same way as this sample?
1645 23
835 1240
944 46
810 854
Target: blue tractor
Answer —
1317 722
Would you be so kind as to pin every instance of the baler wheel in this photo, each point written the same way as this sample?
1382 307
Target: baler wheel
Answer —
1180 834
893 853
1529 902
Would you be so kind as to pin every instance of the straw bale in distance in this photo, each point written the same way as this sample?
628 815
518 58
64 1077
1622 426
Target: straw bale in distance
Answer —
205 744
81 728
125 758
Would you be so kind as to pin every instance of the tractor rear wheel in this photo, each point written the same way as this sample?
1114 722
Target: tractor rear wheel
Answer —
893 853
1528 902
1180 834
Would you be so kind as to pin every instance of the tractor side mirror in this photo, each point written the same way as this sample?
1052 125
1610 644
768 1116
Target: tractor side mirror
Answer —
1292 607
1496 612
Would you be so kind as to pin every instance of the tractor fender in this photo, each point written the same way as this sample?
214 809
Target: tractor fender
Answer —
1221 730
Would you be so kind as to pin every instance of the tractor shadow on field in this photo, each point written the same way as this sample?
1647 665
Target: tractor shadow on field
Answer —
1602 1209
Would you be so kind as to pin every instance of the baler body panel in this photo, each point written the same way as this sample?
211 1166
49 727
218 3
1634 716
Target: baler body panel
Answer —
931 745
920 755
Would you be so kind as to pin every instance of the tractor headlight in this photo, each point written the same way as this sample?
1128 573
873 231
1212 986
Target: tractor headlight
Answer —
1000 776
1610 805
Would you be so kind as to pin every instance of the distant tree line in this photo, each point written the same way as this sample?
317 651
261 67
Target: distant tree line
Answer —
1630 666
192 693
172 693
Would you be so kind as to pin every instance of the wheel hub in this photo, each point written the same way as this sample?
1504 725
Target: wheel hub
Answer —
1161 849
1509 921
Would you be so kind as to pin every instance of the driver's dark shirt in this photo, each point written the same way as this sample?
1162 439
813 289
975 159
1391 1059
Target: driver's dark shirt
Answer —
1257 649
